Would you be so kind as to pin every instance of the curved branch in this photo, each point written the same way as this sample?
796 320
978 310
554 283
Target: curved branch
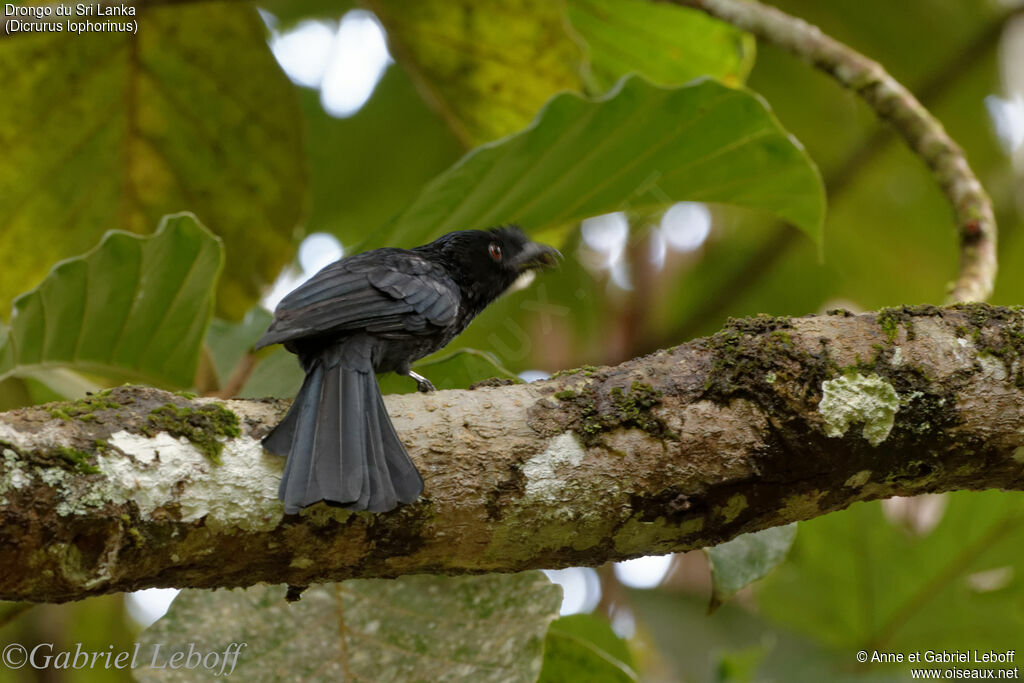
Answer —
769 421
922 132
783 236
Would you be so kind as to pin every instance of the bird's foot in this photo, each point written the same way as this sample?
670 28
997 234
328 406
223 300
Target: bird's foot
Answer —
422 383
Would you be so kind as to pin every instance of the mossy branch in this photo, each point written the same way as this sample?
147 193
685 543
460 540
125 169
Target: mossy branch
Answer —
892 102
769 421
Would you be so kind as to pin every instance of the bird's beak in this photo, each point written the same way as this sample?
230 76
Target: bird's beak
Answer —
536 255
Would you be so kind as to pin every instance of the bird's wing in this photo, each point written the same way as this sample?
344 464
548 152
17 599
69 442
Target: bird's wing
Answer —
384 291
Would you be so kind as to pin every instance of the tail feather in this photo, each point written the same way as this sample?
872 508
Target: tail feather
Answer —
356 387
341 445
406 479
380 494
293 435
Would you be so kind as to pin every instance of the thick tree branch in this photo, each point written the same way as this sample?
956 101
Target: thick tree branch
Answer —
922 132
771 420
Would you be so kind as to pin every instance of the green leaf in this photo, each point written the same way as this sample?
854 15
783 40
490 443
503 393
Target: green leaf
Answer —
582 647
854 580
278 375
361 168
698 647
641 147
485 69
132 308
107 130
452 370
665 44
745 559
429 628
228 342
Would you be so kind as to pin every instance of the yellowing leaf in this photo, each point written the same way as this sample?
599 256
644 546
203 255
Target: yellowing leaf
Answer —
114 130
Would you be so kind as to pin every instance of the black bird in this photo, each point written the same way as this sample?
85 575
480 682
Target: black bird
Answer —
378 312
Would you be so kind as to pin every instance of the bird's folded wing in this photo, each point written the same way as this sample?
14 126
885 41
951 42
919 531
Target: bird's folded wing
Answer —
394 292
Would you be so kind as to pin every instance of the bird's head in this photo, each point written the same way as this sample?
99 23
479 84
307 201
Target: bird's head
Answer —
486 262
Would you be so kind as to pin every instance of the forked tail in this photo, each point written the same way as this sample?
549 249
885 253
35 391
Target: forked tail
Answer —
341 445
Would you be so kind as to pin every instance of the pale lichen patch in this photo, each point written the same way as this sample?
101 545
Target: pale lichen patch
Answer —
163 470
547 473
14 475
1018 455
992 367
42 439
856 398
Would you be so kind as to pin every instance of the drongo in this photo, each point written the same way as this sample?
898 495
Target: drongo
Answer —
378 311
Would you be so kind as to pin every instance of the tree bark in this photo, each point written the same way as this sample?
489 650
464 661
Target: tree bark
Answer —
770 421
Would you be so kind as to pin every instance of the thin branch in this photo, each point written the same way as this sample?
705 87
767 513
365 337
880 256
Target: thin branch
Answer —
770 421
239 376
892 102
712 308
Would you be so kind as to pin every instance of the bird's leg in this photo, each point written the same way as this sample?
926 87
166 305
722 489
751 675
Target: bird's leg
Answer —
422 383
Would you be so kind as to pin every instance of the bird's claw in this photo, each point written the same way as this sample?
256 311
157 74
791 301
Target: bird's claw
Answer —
422 383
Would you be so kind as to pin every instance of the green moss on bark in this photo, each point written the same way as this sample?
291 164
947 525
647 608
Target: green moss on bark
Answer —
85 409
997 331
202 425
596 412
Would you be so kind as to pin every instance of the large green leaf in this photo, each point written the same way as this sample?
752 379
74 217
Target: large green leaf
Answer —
874 585
745 559
485 68
422 628
582 647
361 168
642 147
722 647
666 44
132 308
110 129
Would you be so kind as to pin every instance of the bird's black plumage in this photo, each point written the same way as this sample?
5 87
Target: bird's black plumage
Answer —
377 312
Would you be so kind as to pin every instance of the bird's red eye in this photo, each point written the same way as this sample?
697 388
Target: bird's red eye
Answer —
495 251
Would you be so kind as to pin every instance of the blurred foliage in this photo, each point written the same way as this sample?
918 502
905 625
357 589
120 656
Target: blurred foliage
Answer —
738 563
959 586
362 170
111 131
132 308
582 647
103 130
697 647
484 69
580 158
668 45
228 342
479 628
